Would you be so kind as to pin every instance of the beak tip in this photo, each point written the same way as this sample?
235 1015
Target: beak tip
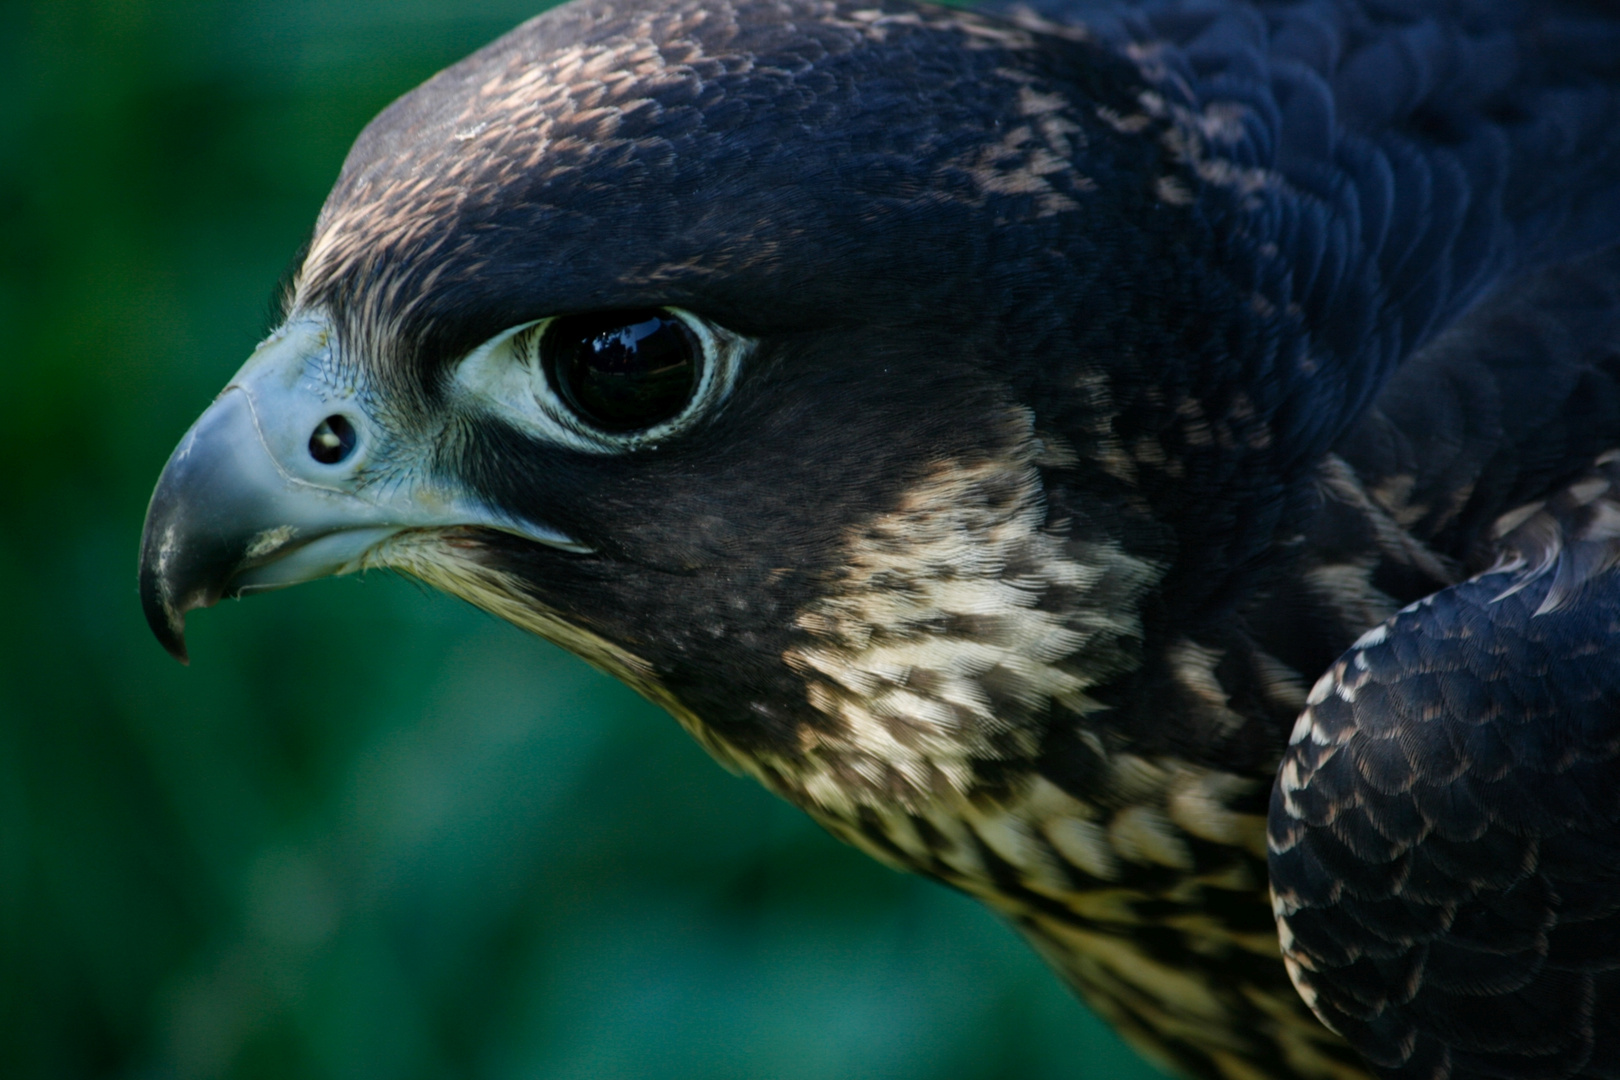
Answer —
167 623
166 619
175 643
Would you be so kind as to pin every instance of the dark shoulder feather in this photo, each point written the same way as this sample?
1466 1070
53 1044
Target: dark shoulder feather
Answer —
1445 827
1518 397
1400 159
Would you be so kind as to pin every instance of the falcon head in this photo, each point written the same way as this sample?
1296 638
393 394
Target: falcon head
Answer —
818 368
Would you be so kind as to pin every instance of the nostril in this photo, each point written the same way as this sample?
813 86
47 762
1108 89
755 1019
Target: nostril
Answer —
333 440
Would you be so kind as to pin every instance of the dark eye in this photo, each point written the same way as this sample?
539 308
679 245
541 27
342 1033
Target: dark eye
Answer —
623 370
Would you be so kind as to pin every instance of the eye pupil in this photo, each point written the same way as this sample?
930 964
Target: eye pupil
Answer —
333 440
622 371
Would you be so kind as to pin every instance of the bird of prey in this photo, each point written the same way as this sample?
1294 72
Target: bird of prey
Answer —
1043 443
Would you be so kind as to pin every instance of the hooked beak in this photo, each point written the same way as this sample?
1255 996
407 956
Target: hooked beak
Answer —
283 480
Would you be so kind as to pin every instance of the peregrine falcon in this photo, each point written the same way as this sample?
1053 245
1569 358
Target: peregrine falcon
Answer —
1153 466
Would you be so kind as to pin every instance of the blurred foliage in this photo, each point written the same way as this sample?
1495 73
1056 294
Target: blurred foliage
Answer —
369 832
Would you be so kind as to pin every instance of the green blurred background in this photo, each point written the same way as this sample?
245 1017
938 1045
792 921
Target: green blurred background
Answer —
370 832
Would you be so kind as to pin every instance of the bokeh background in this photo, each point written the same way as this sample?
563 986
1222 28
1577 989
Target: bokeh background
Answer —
370 832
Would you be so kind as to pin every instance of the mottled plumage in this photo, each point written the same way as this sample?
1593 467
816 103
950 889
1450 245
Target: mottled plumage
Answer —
1071 386
1446 825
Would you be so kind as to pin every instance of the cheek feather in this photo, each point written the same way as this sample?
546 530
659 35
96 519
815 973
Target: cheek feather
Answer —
955 625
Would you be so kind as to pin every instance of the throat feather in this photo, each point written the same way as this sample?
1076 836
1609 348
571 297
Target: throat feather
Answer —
959 626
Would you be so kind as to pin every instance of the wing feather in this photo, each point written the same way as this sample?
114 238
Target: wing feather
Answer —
1445 827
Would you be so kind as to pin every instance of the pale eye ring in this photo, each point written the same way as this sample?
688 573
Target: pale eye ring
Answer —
606 382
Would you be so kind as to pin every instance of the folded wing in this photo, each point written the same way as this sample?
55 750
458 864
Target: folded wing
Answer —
1445 827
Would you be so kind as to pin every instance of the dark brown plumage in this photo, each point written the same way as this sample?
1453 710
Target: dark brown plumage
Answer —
981 428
